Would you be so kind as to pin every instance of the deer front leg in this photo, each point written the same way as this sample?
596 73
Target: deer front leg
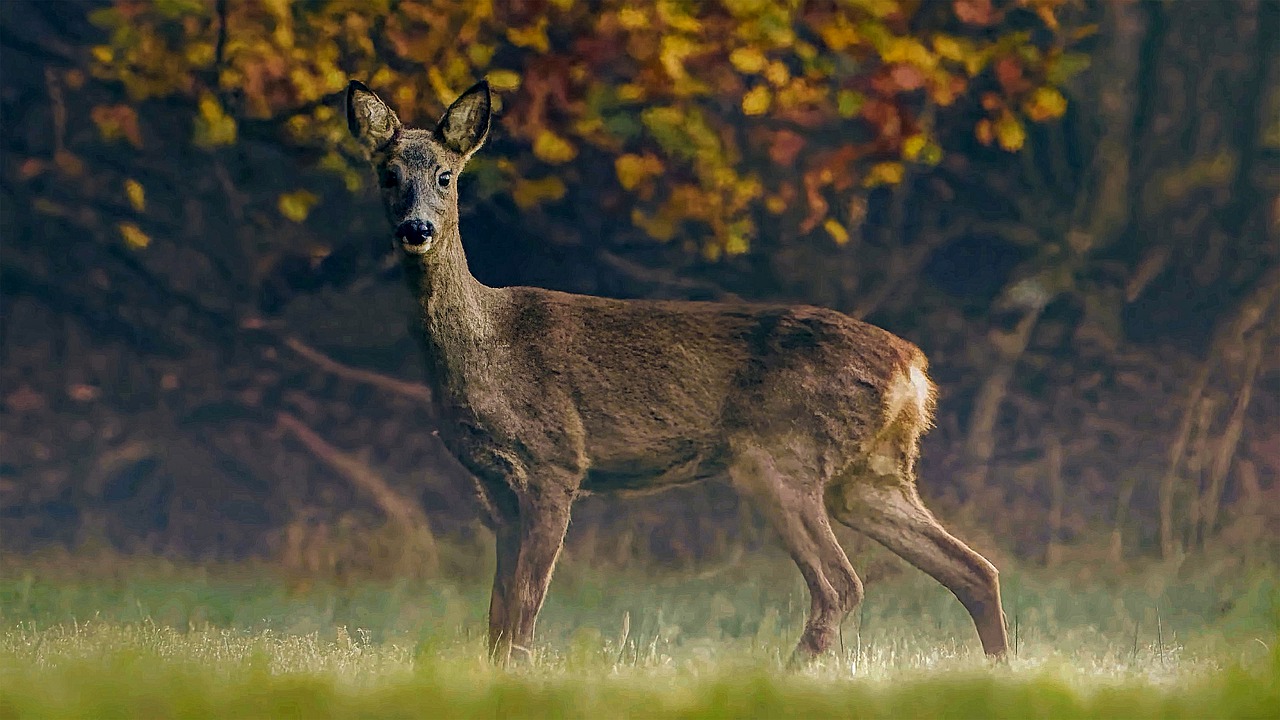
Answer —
507 537
541 535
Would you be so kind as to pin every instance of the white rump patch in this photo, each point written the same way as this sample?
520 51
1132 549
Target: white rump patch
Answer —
909 390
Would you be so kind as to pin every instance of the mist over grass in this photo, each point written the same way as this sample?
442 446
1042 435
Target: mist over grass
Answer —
149 638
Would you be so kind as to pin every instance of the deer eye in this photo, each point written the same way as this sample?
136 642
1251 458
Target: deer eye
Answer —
445 178
390 180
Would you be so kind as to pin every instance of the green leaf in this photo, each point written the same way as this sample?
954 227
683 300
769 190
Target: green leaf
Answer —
1066 67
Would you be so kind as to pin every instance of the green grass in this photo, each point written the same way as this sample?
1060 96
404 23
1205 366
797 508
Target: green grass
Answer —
123 638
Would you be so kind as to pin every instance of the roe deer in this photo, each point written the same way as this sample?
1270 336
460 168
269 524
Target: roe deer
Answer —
546 396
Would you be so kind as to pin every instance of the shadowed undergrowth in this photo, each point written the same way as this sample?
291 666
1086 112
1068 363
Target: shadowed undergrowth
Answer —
128 638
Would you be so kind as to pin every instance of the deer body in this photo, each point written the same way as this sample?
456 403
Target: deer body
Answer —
545 396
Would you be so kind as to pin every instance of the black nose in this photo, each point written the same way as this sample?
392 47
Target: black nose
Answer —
415 232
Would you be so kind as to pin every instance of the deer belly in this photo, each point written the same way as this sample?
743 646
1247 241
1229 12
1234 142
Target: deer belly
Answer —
658 469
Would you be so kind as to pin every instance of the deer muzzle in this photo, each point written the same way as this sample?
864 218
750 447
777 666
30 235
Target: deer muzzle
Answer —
416 236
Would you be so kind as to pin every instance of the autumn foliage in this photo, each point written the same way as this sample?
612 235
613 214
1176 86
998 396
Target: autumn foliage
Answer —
1069 205
694 121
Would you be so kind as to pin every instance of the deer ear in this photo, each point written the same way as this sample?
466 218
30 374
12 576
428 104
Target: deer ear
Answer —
370 120
465 124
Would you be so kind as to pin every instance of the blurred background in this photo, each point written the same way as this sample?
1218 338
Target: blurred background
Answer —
1070 205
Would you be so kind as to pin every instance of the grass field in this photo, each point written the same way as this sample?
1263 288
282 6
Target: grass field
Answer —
147 639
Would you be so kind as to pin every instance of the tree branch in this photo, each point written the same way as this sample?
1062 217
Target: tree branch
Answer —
655 276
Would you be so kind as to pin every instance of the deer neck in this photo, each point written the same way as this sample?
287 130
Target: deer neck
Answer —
455 309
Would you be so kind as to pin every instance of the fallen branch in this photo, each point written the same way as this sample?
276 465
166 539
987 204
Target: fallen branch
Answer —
400 510
1230 440
1248 314
411 390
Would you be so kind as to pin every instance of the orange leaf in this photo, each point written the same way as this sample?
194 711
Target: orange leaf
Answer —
785 146
985 132
975 12
1009 73
907 77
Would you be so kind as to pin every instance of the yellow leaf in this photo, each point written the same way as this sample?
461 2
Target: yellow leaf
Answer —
1085 31
136 194
748 59
838 35
775 204
677 19
675 48
879 8
631 92
213 126
920 149
756 102
885 173
551 148
736 243
635 169
297 205
198 53
912 146
534 36
948 47
1045 103
279 8
1010 133
632 18
480 54
909 51
976 61
836 231
661 227
133 236
777 73
504 79
529 193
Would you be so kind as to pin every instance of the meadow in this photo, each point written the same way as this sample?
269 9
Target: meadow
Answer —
111 637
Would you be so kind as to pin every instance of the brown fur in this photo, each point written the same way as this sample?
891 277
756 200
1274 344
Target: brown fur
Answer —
546 396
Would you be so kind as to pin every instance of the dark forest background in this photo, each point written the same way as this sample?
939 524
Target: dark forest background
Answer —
1070 205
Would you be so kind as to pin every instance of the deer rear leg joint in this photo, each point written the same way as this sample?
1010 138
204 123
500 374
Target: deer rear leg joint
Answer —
894 516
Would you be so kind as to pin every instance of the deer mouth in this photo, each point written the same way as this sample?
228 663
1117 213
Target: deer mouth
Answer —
416 248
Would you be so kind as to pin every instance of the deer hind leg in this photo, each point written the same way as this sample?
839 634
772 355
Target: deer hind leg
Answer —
890 512
797 514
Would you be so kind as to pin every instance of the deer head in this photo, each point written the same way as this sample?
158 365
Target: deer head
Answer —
418 169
